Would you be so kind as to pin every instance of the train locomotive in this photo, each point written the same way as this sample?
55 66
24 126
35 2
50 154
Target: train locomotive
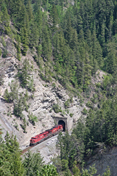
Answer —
46 134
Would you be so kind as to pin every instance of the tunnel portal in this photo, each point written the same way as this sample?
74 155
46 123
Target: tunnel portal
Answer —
67 122
61 122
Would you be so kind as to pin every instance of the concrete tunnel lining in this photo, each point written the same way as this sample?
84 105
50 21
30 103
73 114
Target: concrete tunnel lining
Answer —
61 122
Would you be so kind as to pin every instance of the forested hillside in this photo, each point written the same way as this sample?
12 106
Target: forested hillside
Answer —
69 40
75 37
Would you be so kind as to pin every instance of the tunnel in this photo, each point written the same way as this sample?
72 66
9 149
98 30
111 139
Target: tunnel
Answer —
61 122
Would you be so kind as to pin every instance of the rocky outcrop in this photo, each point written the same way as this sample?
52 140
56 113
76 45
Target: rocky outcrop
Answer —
103 160
40 102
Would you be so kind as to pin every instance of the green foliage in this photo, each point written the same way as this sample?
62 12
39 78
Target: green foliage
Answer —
107 172
56 108
76 170
89 172
71 114
33 164
70 43
60 36
4 54
107 81
98 85
13 94
19 107
10 160
7 96
48 170
24 125
24 76
84 111
100 126
1 79
70 150
18 48
66 104
89 104
32 118
4 19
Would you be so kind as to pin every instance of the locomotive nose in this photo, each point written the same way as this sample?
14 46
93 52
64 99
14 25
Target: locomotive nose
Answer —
61 122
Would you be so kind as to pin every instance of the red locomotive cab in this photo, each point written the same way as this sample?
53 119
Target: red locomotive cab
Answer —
33 141
61 127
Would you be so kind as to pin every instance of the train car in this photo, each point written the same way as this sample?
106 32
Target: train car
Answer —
37 139
45 135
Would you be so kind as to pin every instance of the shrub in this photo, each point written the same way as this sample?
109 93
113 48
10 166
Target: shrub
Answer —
4 55
32 118
24 76
24 125
66 104
56 108
89 104
53 85
98 85
71 115
7 96
84 111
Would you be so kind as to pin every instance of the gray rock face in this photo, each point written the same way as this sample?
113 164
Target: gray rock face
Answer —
104 160
61 94
41 105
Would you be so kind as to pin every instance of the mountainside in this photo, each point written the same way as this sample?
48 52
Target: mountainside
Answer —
58 59
37 104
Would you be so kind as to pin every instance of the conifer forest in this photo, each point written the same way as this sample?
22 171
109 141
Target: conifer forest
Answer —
74 38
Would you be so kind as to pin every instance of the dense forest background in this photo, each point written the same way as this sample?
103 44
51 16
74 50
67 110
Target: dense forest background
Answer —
74 39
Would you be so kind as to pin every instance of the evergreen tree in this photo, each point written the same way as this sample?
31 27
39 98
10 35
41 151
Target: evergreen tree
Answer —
18 47
4 20
55 19
10 160
33 35
33 164
29 10
46 44
24 39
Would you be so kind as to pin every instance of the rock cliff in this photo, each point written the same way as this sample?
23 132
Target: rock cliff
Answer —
40 102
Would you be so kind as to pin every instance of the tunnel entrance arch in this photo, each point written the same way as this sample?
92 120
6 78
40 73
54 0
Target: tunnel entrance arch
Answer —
67 122
61 122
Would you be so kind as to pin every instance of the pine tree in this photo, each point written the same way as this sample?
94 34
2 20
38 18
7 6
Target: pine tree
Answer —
88 38
46 44
33 35
5 21
10 157
24 39
74 40
69 31
33 164
29 10
102 34
96 50
55 19
18 47
87 71
81 37
56 45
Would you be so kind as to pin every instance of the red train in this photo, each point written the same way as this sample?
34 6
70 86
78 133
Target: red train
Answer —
45 135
